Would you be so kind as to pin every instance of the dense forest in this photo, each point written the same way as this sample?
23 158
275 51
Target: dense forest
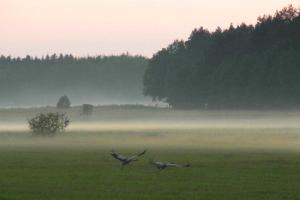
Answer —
99 80
245 66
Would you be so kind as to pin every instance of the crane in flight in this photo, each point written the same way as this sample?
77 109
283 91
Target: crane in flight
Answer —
162 165
126 160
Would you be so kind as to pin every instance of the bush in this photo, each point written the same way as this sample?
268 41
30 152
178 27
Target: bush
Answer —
48 124
63 102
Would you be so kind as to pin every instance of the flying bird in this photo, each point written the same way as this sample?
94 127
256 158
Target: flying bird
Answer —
126 160
161 165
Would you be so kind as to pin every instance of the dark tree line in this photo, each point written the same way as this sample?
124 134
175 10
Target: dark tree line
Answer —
248 66
98 80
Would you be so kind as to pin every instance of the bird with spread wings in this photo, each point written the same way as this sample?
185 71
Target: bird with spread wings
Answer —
124 159
162 165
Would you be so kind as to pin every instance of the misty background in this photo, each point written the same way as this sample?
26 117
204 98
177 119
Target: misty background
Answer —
28 81
245 66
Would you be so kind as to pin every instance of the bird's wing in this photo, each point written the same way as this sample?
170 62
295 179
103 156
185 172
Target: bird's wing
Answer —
173 165
177 165
160 164
142 153
119 156
138 155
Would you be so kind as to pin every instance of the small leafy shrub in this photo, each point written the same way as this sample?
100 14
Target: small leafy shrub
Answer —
49 123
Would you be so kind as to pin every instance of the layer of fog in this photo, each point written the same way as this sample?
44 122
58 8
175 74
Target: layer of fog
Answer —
78 97
161 128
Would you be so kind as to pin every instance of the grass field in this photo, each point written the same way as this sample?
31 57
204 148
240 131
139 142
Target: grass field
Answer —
233 155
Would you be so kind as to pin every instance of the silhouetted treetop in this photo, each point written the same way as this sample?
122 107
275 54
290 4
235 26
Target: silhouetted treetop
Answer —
247 66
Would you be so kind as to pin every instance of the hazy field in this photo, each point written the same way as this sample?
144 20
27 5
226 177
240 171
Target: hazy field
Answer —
234 155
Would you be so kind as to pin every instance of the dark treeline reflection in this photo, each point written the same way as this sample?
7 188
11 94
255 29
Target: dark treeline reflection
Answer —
248 66
100 80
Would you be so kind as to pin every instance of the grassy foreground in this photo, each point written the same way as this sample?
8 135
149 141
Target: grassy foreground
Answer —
233 156
90 173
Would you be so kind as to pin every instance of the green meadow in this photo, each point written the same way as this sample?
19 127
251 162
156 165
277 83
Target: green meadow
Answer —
233 155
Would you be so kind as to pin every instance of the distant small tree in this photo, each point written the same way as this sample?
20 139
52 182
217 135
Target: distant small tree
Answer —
63 102
48 124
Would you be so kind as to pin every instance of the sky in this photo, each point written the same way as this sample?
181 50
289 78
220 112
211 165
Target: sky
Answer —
106 27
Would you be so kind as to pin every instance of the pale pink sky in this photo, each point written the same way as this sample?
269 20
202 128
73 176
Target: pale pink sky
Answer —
93 27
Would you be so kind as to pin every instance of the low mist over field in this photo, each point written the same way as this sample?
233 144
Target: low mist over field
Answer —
160 128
